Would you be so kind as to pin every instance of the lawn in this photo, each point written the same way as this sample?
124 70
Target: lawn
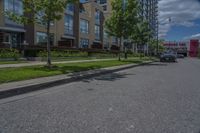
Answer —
12 62
24 73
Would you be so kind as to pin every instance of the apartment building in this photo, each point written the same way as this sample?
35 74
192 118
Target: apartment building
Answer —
91 20
108 41
149 12
64 33
11 33
80 27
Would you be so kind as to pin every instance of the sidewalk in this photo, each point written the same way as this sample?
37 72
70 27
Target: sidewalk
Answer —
36 63
21 87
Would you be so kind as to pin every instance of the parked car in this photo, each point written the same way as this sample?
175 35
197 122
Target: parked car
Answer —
168 57
180 56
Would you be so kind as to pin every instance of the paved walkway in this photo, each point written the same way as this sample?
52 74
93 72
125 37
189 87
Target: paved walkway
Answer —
35 63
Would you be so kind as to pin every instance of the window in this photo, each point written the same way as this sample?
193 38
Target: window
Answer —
105 8
114 40
15 6
84 43
102 1
84 26
70 8
69 24
97 16
97 32
40 16
41 38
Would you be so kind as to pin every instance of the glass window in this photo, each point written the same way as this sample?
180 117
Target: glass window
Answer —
97 16
105 7
84 26
69 8
97 32
69 24
84 43
15 6
101 1
41 38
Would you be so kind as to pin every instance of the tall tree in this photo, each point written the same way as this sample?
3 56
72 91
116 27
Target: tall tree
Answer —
115 24
45 11
121 22
131 17
141 33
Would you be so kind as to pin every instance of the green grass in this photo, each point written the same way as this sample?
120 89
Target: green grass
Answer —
24 73
12 62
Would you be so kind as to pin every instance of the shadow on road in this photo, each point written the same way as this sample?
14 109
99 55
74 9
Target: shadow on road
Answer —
108 77
157 64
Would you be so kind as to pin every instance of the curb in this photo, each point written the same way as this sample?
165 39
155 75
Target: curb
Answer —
77 76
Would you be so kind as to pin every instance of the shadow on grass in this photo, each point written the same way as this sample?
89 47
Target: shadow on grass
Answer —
67 69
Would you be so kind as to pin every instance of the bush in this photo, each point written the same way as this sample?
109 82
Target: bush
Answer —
64 53
199 53
135 54
9 53
31 52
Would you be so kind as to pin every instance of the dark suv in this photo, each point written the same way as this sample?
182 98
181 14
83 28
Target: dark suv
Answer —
168 57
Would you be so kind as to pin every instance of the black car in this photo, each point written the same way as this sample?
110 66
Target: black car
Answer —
180 56
168 57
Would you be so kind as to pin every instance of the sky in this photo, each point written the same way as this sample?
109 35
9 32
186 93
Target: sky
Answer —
179 20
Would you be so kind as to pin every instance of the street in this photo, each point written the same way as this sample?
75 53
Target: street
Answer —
155 98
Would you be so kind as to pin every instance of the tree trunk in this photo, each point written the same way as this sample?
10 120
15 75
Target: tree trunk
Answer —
48 45
120 43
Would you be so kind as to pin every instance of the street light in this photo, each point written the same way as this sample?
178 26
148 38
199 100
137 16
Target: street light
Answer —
169 20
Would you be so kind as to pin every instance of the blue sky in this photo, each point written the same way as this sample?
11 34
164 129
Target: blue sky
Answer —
185 19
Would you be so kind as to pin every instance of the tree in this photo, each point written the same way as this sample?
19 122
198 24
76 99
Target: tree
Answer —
131 17
153 45
115 23
141 33
45 11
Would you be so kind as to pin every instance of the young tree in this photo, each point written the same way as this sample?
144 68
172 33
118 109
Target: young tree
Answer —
45 11
141 33
153 45
131 17
115 23
124 17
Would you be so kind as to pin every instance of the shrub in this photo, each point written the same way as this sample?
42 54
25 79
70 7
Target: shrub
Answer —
64 53
9 53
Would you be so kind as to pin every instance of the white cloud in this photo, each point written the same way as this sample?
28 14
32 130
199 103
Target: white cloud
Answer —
180 12
195 36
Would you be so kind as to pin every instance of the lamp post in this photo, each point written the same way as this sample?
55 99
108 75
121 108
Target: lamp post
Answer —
169 20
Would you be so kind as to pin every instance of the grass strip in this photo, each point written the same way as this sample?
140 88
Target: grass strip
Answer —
24 73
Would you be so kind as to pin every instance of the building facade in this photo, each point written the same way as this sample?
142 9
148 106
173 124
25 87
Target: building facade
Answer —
149 13
109 42
64 33
11 33
82 25
91 19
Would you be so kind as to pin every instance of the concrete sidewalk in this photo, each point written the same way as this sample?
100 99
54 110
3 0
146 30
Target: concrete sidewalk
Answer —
20 87
36 63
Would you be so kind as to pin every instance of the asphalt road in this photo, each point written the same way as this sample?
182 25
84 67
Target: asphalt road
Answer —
158 98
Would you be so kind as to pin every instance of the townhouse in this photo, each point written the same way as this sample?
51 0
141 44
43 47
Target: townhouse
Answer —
91 25
11 33
80 27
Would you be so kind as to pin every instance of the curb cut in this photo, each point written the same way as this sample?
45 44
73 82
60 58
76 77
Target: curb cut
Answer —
73 77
